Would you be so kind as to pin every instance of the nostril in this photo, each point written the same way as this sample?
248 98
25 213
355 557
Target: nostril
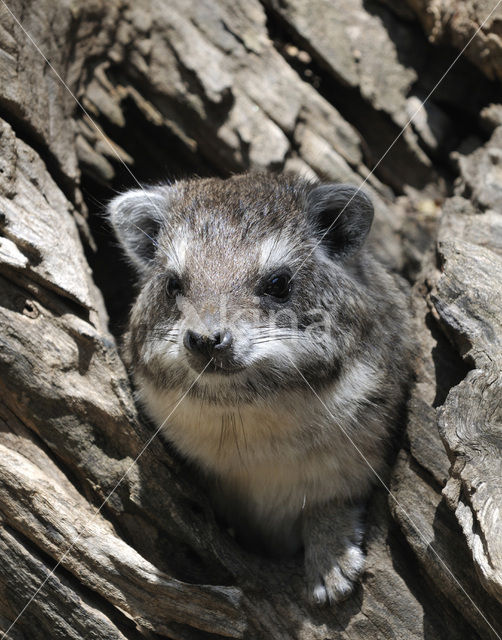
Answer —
222 340
191 340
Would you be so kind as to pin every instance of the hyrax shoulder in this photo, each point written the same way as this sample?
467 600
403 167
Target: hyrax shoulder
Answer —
273 350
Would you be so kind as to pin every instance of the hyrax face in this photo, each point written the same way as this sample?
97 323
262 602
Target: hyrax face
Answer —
244 282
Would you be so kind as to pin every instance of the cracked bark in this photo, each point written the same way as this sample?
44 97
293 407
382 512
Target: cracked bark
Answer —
214 87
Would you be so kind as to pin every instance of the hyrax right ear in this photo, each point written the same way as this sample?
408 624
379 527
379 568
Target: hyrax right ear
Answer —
136 217
342 215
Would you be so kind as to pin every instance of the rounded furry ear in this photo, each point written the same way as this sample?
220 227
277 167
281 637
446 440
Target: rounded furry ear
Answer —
136 217
343 215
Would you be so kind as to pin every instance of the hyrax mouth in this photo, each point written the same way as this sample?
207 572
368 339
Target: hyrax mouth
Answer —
215 367
212 367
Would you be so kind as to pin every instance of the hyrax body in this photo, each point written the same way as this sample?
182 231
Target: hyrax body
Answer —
273 348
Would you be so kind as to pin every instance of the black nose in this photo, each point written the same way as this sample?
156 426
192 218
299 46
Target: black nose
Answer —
198 343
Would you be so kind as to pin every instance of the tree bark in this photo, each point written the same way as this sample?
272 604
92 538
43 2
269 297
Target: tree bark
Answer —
95 512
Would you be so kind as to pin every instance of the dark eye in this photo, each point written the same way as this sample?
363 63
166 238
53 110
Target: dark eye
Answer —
173 287
278 286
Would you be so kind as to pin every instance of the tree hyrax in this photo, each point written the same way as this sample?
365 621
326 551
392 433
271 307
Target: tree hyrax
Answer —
286 341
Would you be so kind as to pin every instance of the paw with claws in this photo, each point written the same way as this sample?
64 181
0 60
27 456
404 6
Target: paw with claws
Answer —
334 559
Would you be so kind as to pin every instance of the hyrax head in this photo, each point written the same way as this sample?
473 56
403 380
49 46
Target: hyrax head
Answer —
247 280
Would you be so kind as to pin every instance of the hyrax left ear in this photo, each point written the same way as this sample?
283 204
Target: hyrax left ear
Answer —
136 217
343 217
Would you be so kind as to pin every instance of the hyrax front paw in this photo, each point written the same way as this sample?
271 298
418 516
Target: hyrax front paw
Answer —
331 576
334 559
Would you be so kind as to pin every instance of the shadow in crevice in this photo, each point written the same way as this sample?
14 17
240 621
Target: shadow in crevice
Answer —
449 367
451 545
440 618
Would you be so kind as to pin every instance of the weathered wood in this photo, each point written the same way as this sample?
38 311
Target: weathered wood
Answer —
215 87
343 37
457 22
70 531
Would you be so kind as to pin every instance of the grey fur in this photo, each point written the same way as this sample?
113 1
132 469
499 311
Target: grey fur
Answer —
274 435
